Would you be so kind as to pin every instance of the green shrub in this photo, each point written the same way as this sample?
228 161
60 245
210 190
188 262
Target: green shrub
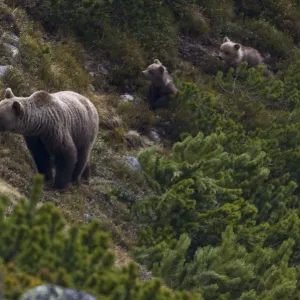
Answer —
227 271
192 21
136 116
20 82
125 54
37 246
283 14
261 35
218 12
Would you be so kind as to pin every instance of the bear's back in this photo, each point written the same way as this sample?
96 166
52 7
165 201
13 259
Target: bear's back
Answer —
75 103
79 112
63 112
252 56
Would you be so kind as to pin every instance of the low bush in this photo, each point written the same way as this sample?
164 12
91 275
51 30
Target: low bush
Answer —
38 247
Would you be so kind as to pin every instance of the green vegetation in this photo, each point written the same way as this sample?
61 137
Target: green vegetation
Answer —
216 209
37 246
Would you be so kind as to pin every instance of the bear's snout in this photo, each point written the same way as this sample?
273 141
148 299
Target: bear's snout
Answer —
220 57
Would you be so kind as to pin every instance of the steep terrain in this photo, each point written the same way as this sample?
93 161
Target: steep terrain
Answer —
203 195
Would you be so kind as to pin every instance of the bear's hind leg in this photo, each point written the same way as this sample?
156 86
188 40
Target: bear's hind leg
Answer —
41 156
82 166
86 174
65 163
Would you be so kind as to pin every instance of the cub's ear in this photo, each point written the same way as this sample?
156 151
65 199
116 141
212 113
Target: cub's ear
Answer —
156 61
226 39
18 108
161 69
8 93
237 46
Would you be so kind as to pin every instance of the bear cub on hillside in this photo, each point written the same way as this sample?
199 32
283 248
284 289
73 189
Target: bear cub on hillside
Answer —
161 86
233 54
62 125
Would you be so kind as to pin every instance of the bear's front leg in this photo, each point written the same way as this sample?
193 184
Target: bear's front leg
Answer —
41 156
153 95
65 161
162 102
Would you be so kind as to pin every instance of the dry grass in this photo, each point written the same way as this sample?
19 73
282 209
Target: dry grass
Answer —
60 68
17 169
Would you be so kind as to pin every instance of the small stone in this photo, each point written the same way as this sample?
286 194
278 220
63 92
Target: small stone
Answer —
127 97
102 69
154 136
4 69
10 38
87 218
47 291
92 74
14 50
133 163
92 88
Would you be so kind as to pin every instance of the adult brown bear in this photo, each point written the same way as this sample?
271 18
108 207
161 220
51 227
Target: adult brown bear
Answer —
63 125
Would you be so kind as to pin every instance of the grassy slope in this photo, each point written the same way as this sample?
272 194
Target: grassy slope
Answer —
58 64
110 174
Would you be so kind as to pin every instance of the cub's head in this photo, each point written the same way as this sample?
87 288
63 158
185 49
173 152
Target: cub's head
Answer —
11 112
155 72
229 51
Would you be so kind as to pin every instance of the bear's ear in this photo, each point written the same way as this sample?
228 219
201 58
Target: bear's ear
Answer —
8 93
237 46
156 61
226 39
18 108
161 69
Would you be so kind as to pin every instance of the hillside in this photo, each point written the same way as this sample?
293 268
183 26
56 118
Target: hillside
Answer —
197 201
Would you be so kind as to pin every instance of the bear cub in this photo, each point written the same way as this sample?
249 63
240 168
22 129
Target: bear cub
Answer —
161 85
62 125
233 54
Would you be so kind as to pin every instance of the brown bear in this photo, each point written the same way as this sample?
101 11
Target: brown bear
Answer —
161 86
233 54
62 125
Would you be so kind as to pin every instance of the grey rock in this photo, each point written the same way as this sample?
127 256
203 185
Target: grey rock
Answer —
92 88
87 218
154 136
10 38
49 292
127 97
133 163
4 69
14 50
102 69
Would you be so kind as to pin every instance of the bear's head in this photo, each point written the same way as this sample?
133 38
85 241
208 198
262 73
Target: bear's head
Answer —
11 112
155 72
230 52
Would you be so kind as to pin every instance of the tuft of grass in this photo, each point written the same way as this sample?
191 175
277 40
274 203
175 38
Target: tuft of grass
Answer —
136 116
50 66
125 54
193 21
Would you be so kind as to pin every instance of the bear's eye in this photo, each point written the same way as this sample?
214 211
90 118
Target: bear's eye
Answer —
150 72
226 53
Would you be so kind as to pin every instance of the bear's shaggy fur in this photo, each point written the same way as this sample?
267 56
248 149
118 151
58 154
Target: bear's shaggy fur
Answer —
63 125
161 86
233 54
